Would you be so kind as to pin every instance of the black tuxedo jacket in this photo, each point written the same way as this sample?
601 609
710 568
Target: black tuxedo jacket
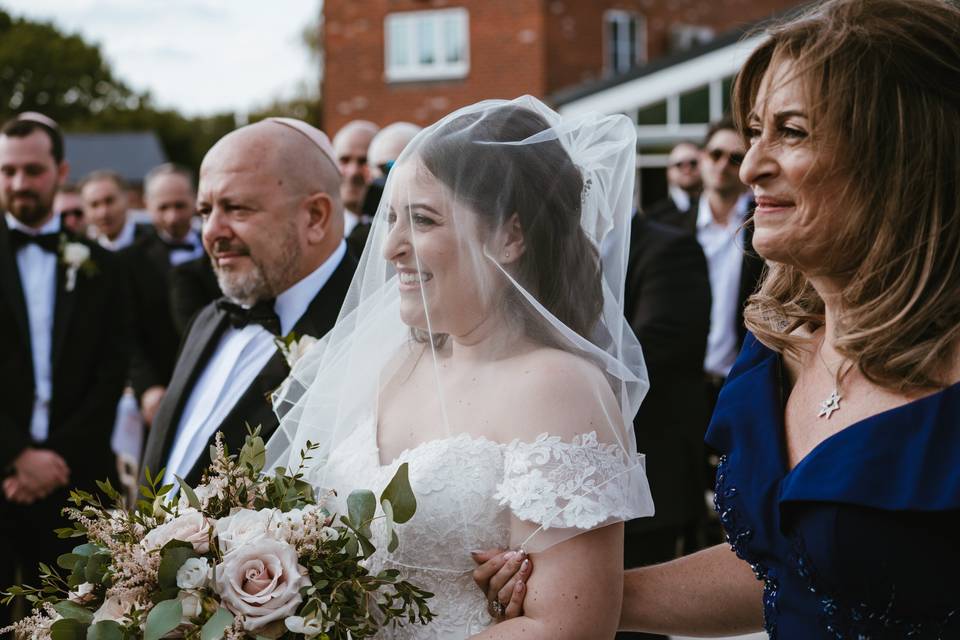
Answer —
751 270
667 303
254 406
90 353
156 337
192 286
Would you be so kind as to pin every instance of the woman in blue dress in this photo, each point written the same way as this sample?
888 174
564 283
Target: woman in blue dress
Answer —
839 426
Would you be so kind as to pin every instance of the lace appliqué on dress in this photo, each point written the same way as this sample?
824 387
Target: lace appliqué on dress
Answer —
577 484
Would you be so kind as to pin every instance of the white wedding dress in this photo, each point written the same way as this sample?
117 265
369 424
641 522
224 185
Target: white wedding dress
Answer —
466 489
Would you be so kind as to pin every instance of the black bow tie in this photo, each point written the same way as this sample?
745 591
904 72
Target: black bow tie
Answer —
46 241
261 313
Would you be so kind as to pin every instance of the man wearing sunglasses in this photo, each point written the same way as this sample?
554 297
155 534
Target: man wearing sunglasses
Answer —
683 186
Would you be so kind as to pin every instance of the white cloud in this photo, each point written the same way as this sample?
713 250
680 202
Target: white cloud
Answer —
199 56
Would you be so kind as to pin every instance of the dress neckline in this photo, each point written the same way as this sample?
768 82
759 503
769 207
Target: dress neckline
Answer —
826 443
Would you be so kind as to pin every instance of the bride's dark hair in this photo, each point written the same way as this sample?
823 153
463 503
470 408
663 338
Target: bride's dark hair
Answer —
538 181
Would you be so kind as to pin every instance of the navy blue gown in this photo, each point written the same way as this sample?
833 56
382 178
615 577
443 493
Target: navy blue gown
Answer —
861 540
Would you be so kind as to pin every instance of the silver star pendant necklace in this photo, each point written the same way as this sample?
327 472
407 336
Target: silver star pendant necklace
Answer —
832 402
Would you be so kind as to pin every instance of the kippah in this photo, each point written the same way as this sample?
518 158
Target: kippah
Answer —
315 136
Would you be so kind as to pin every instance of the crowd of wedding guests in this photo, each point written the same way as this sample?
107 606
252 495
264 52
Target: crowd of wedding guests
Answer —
138 362
128 348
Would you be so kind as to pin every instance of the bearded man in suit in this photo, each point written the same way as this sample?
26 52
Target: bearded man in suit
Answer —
65 354
269 197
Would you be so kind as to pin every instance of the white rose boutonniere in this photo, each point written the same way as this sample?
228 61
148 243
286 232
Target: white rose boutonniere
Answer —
76 256
293 347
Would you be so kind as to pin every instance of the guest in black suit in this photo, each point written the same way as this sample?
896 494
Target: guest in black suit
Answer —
351 144
171 201
667 302
273 225
193 285
683 186
65 354
104 197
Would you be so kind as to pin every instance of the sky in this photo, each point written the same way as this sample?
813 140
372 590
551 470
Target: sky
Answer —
197 56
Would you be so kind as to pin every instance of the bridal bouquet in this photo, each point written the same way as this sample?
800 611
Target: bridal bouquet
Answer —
243 555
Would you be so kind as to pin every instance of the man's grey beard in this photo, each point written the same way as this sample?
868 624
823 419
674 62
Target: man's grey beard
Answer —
262 282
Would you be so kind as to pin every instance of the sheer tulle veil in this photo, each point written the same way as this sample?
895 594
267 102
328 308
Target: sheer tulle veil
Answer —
491 225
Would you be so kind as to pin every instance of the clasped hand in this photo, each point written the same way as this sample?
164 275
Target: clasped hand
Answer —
38 473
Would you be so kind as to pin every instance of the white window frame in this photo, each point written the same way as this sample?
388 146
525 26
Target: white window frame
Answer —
623 18
440 69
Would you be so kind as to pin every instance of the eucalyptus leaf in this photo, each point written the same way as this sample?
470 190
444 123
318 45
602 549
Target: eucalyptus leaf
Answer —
69 560
253 453
68 629
162 619
391 533
216 625
105 630
73 611
85 549
171 560
400 495
361 507
97 567
187 491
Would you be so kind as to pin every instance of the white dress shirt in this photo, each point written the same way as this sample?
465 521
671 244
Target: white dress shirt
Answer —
123 240
723 246
178 255
38 279
350 221
680 198
239 357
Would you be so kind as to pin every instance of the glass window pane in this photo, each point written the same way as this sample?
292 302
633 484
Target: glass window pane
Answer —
613 44
399 43
453 39
695 106
726 89
631 41
654 114
425 41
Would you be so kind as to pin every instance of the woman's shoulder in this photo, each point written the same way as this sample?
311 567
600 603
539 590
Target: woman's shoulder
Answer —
559 392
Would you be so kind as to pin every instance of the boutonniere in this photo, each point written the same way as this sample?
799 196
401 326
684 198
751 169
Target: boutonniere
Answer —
293 347
76 257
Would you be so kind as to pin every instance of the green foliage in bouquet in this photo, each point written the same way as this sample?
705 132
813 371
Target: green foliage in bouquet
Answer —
242 555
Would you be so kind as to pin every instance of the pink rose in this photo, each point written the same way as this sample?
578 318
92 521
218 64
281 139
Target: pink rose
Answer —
190 526
113 608
261 580
246 525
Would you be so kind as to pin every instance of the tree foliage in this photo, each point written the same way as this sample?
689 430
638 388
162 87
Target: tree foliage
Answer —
63 76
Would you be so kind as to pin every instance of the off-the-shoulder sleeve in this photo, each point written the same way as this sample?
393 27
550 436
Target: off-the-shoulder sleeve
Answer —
582 483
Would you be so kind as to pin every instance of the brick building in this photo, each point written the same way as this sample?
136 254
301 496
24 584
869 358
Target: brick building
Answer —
417 60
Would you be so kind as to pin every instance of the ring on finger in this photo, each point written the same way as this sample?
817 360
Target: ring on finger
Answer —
497 608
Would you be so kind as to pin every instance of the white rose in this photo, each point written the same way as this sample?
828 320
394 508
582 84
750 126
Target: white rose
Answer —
193 574
308 627
243 526
113 608
76 253
261 580
328 533
297 349
190 526
191 604
84 593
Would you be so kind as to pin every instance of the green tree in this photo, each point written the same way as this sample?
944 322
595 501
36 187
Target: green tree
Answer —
42 69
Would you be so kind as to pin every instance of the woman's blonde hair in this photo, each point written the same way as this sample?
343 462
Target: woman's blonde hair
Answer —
884 78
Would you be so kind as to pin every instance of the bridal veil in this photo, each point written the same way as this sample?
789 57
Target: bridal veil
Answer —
503 228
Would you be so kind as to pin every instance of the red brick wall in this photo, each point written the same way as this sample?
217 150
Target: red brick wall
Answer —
506 60
516 47
575 33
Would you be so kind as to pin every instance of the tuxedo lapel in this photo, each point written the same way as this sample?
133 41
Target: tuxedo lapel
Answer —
199 346
10 282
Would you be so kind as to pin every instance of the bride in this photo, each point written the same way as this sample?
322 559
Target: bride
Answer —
483 343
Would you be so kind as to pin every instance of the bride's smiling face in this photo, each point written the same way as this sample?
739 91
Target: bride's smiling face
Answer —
434 244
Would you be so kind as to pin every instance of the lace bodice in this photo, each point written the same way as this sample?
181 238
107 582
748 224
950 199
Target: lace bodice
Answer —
468 490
